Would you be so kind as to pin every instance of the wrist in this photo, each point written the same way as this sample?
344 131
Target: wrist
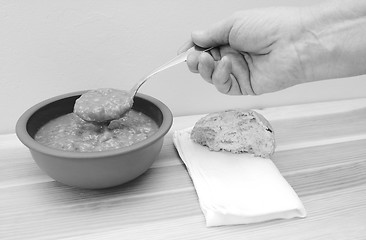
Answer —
331 43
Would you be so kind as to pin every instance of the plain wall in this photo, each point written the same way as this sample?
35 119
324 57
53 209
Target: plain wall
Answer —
53 47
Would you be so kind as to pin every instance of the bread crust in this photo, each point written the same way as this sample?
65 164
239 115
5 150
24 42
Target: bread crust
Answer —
236 131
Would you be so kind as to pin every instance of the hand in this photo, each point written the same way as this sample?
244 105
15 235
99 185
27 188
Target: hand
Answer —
255 52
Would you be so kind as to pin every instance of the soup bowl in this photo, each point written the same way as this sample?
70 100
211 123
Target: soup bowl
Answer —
93 170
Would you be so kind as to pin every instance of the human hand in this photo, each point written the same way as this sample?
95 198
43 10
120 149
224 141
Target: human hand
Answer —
255 52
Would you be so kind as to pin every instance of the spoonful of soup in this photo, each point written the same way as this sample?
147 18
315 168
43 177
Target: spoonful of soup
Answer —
102 105
106 104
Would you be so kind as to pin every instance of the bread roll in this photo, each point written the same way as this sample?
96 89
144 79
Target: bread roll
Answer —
236 131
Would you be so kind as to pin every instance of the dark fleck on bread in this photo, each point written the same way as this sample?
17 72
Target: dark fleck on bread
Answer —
236 131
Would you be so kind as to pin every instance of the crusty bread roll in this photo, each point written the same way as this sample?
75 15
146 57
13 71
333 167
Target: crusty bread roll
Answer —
236 131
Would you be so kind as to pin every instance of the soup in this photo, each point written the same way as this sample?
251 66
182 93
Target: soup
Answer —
70 133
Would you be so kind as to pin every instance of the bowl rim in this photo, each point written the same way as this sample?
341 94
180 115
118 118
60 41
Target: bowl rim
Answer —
28 141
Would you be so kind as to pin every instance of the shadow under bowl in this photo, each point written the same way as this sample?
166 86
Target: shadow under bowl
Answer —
93 170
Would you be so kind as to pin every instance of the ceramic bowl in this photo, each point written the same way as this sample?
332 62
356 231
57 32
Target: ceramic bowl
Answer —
93 170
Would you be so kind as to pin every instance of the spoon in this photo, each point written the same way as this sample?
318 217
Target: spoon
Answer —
95 106
178 59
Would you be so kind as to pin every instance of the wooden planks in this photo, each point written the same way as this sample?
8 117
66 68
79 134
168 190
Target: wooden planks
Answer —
321 153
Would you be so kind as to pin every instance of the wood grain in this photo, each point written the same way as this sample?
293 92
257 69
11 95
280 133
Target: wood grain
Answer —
321 153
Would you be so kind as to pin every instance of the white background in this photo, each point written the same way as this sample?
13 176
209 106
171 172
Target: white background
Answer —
53 47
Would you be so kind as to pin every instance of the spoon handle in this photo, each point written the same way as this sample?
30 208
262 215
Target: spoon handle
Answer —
178 59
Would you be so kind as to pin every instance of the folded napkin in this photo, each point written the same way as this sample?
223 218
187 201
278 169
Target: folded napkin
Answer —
236 188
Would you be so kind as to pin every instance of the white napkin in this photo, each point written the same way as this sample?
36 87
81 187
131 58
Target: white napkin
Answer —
236 188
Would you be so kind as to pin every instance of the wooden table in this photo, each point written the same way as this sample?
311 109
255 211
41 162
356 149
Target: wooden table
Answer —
321 153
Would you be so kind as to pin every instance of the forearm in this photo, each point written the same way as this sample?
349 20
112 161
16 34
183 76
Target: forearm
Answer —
333 40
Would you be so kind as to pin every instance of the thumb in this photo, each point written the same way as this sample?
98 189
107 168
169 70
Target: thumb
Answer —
216 35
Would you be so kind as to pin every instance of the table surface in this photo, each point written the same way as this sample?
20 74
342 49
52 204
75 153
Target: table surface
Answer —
321 152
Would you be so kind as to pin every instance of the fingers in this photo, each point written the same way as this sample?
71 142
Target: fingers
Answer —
240 74
215 53
216 35
192 61
215 73
230 74
227 79
206 66
221 77
223 67
241 71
